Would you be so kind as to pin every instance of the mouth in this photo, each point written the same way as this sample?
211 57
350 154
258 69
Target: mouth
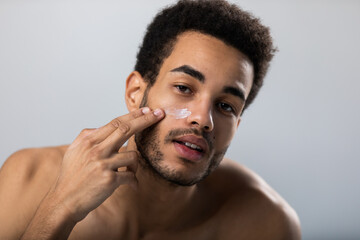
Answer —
190 147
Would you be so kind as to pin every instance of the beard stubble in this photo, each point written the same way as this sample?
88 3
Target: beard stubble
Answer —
148 144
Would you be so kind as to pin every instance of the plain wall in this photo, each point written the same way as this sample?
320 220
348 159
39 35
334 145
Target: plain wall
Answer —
63 66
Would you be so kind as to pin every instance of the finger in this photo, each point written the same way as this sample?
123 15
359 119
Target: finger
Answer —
127 178
83 134
103 132
123 159
123 133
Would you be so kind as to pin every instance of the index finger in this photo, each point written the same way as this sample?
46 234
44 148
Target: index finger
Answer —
103 132
128 128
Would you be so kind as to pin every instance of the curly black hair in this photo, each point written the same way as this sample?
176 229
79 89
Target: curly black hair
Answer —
218 18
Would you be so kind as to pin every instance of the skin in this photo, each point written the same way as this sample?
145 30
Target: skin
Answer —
95 188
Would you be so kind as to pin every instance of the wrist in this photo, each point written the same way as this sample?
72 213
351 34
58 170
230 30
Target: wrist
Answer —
62 209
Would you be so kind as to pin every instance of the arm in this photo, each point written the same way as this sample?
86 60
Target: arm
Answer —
51 221
23 185
88 176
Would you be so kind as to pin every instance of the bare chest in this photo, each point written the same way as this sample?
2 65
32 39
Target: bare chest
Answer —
205 233
125 229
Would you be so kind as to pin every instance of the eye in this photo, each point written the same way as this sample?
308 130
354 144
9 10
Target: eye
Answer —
183 89
226 107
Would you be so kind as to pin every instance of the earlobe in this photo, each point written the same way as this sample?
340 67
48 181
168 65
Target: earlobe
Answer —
135 87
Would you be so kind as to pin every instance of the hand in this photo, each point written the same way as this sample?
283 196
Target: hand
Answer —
89 172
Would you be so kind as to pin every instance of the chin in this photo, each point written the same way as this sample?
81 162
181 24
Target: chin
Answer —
179 177
180 171
171 161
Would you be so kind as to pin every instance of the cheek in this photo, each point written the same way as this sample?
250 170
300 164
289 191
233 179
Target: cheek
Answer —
165 126
224 133
164 97
160 98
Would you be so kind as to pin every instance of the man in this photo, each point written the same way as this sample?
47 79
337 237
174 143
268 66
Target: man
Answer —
200 65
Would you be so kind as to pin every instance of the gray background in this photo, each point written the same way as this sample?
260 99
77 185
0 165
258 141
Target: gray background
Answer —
63 66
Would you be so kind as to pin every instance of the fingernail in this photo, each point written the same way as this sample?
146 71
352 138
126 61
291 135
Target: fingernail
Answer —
145 110
158 112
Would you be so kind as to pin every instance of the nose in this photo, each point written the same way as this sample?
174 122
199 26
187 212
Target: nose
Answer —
201 116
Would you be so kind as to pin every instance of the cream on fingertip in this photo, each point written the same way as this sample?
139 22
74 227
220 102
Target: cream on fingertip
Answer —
158 112
145 110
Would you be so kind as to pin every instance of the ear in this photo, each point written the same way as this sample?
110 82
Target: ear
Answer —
238 122
135 88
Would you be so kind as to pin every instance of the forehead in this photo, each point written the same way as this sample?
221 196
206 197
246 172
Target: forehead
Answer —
217 61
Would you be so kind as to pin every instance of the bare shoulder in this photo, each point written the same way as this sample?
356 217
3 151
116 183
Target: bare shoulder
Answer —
27 165
25 178
250 208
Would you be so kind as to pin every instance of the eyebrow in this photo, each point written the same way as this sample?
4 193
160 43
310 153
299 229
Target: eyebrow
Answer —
190 71
199 76
235 91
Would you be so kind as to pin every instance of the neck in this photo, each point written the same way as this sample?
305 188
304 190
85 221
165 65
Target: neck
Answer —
158 203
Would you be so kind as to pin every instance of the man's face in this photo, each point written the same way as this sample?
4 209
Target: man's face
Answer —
209 79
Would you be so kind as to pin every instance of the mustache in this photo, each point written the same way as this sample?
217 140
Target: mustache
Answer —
185 131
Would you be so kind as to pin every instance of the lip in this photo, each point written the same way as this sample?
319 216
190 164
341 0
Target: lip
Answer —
194 140
187 153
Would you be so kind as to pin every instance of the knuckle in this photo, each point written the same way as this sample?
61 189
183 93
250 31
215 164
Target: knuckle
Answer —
86 131
135 114
121 126
88 140
133 155
95 153
86 137
100 165
109 177
124 129
148 117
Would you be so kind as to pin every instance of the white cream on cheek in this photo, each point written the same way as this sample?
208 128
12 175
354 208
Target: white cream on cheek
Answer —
178 113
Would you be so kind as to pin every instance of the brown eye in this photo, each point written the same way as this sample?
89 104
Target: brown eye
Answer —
226 107
183 89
